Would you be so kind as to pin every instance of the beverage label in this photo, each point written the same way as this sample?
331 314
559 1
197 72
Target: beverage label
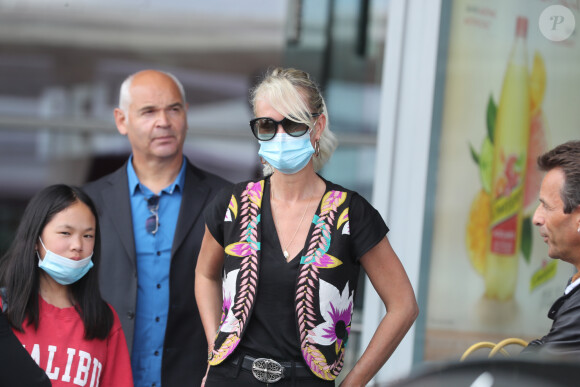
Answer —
504 236
506 206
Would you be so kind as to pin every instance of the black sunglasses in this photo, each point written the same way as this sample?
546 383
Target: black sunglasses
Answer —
152 222
265 128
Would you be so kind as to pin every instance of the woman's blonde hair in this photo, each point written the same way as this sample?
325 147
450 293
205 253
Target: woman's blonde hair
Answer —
293 94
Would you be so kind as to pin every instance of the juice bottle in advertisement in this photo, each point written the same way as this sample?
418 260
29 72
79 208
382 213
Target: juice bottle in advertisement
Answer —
509 168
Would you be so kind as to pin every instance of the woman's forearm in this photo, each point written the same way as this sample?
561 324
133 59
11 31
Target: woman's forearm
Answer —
391 283
208 285
208 295
387 337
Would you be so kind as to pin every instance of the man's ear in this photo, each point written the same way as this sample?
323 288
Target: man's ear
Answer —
120 121
186 107
576 212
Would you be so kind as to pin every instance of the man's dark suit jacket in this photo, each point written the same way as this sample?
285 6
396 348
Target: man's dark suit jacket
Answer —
563 340
185 347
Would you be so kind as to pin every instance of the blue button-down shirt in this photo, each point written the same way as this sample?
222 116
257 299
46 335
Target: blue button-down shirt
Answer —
153 262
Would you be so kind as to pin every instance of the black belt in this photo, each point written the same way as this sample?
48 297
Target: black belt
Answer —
270 371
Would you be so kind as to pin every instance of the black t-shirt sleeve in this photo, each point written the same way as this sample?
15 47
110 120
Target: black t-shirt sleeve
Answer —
17 368
215 214
367 227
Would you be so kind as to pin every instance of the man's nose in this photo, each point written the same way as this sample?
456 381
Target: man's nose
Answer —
538 219
162 118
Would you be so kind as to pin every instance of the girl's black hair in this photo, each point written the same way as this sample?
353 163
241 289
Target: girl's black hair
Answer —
20 274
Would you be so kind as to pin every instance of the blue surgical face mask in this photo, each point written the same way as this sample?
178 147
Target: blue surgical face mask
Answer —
286 153
63 270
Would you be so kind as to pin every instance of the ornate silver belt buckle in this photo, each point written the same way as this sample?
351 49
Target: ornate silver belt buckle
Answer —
267 370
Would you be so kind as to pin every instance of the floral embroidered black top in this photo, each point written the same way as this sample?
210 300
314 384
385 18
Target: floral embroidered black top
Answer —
344 227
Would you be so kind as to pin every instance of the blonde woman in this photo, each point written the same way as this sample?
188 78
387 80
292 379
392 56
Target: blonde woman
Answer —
280 258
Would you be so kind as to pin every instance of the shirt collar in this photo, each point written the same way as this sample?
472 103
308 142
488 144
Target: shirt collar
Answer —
572 285
136 186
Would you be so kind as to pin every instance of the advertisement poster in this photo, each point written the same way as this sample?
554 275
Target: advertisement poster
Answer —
511 92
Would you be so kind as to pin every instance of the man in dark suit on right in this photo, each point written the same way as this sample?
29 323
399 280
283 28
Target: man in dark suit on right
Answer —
151 220
558 218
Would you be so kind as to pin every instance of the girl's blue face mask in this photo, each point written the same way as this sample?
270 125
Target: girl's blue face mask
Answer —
63 270
287 154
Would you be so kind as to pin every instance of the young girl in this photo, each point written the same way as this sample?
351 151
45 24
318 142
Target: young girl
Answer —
50 293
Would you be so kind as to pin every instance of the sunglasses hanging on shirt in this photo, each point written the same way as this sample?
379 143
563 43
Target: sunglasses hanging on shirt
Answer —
152 222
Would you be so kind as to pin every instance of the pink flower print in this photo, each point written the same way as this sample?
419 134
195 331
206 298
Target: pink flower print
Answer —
332 200
239 249
254 191
325 261
336 309
229 322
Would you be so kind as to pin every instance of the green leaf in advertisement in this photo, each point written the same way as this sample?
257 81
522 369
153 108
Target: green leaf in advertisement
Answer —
526 242
486 164
544 274
474 154
490 118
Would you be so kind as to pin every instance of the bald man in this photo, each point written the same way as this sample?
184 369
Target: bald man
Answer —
150 213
